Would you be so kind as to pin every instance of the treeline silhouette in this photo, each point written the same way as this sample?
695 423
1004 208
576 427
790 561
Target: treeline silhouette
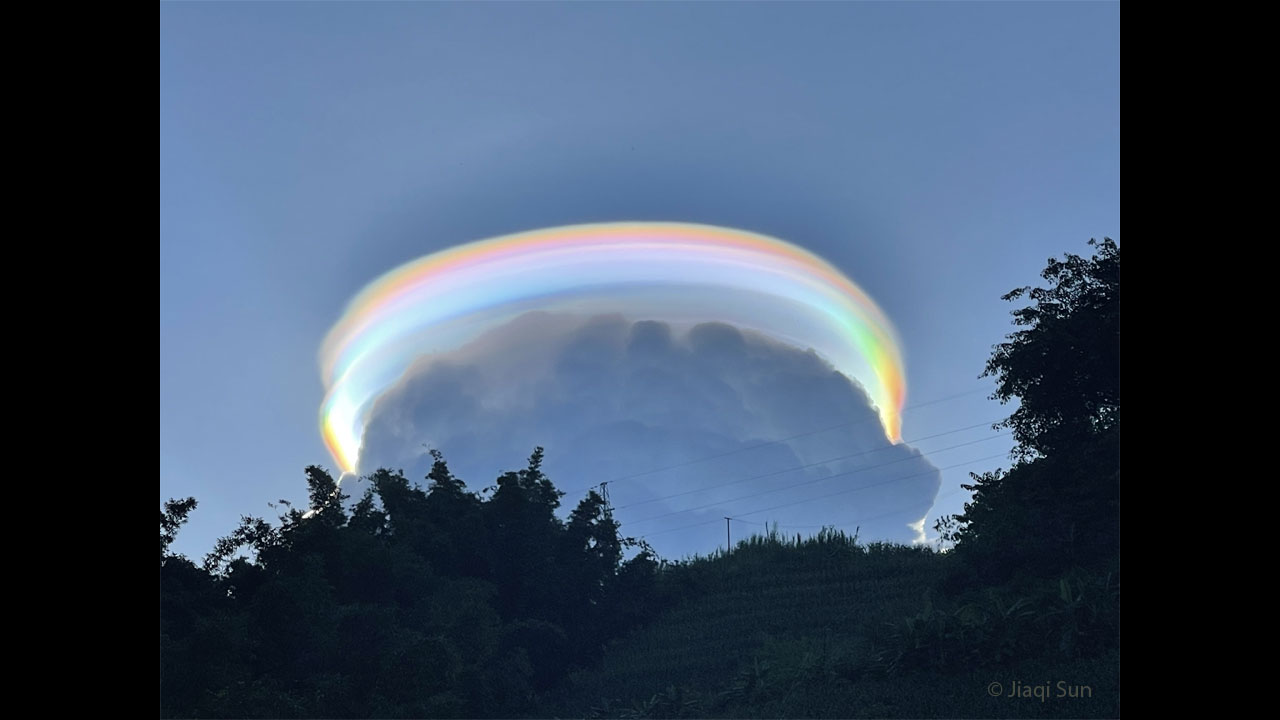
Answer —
1058 506
415 602
438 602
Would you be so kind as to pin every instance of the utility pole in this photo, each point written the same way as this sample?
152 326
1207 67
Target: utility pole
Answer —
728 544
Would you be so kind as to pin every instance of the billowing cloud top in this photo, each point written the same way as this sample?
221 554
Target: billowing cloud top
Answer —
733 423
678 273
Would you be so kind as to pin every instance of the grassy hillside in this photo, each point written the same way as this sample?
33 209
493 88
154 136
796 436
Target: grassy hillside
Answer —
819 628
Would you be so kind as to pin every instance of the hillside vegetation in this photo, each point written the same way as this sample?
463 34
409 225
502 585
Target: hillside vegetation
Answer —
826 627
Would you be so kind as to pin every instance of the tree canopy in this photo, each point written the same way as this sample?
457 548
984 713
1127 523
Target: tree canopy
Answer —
411 602
1059 503
1063 366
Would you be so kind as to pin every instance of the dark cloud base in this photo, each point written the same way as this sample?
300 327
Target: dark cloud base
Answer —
610 398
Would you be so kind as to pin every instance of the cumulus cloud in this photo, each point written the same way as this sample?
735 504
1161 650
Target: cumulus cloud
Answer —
611 397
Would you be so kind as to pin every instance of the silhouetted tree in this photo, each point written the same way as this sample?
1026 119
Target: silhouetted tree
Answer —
455 545
1059 504
411 604
326 497
1063 367
252 532
591 554
524 533
173 516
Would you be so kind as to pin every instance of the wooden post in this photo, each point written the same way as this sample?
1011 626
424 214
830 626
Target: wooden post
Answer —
728 544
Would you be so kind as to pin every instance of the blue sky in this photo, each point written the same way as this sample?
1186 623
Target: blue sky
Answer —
939 154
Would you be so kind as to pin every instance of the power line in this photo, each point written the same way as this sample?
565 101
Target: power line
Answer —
802 467
821 479
823 497
860 518
775 442
842 492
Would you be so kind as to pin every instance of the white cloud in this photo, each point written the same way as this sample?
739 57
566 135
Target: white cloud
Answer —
609 397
